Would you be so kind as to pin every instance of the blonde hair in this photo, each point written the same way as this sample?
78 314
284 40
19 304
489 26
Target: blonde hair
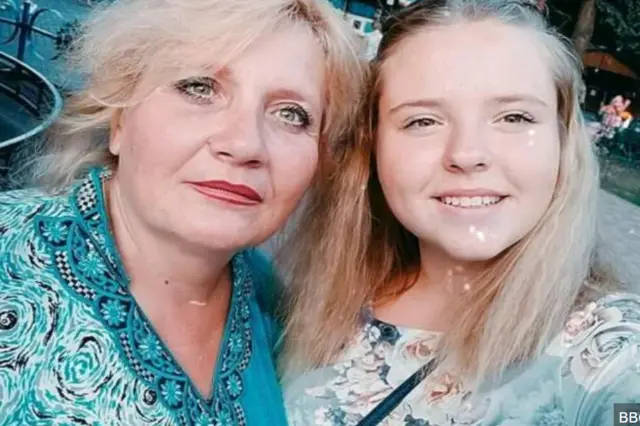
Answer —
350 250
130 47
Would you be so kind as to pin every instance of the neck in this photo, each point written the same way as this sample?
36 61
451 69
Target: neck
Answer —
162 265
442 273
429 304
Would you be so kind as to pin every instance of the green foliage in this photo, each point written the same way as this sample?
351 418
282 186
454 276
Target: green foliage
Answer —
623 18
66 36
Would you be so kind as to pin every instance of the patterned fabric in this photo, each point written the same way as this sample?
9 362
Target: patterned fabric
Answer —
75 348
592 364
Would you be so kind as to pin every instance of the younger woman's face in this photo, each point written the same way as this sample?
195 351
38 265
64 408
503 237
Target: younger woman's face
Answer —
468 141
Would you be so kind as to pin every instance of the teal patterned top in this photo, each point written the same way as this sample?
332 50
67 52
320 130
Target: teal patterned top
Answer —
75 348
592 364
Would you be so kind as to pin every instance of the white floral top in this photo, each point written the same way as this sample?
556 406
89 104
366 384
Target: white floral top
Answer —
592 364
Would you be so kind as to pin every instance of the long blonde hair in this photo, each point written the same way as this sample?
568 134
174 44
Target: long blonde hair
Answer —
130 47
349 250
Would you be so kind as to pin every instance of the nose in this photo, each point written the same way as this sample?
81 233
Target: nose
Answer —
240 139
467 151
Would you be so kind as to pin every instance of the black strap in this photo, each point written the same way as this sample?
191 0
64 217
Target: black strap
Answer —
387 405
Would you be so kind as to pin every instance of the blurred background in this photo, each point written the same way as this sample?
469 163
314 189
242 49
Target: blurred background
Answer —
34 35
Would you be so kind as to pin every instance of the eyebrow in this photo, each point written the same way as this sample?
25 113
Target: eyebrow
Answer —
278 93
289 94
295 95
512 99
499 100
425 103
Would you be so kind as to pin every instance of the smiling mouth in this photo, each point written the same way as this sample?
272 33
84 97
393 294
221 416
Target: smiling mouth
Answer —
475 202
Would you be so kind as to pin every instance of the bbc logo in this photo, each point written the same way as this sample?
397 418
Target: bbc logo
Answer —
626 414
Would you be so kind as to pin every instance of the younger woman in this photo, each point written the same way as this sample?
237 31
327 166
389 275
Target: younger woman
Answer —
460 228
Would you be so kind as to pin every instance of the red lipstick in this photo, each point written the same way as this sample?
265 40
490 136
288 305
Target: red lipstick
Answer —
229 192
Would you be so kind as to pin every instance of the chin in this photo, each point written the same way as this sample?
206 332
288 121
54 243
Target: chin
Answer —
220 239
221 232
474 251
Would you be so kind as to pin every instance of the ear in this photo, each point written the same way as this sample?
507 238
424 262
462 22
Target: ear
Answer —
115 132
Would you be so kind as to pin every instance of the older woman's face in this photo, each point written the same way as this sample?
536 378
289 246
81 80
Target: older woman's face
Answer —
468 142
222 159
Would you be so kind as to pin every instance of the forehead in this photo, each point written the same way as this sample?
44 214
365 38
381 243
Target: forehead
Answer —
288 58
468 60
291 49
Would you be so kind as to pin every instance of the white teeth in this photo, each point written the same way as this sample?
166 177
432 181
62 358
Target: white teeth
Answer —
471 201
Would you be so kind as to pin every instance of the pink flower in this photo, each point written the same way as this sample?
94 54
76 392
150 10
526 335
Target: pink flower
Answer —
443 387
579 321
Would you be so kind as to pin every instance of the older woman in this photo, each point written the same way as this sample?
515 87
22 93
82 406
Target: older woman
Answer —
129 292
450 276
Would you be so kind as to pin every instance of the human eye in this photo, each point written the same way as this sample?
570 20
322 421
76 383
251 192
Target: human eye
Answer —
518 118
294 116
421 122
200 90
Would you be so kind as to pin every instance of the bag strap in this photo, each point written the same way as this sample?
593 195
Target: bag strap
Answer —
391 402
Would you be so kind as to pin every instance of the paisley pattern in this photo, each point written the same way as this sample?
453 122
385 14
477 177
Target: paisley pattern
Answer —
75 348
592 364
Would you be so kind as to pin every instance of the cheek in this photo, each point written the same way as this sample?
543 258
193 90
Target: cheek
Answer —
534 168
404 165
155 139
390 176
292 171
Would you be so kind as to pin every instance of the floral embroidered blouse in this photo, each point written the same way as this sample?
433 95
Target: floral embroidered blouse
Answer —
75 348
592 364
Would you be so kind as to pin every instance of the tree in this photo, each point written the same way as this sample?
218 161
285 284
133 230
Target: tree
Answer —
624 20
621 16
584 27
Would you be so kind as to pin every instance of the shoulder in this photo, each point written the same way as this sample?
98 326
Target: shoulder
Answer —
600 349
21 251
606 317
601 331
18 208
25 197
